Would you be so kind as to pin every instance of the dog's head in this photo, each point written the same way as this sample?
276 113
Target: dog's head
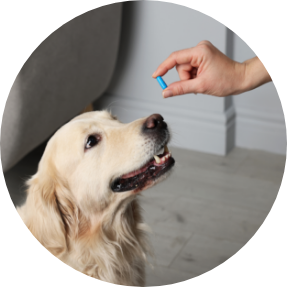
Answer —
93 167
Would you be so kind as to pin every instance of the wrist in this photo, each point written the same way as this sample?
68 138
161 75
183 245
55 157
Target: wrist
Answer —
254 74
241 79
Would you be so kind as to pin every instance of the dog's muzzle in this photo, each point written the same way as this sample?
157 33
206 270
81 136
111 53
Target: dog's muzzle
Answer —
156 129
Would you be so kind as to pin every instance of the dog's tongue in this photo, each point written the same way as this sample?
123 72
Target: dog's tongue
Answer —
150 171
136 172
151 162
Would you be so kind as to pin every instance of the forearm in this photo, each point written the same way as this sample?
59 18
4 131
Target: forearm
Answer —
255 74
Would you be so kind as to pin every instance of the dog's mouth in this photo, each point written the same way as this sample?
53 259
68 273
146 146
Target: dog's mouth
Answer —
146 175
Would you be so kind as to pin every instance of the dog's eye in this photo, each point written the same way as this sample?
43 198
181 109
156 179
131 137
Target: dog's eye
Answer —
92 141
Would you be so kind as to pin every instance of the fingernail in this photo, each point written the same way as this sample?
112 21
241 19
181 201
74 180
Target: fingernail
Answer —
167 93
153 75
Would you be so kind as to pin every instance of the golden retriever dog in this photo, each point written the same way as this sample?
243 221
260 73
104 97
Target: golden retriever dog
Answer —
82 204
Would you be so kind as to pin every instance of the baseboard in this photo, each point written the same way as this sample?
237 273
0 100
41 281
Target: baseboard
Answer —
205 131
260 130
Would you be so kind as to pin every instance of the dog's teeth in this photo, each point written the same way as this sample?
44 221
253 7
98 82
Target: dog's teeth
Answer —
163 159
157 159
166 149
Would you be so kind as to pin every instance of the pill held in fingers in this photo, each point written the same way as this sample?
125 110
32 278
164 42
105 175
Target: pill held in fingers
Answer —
161 82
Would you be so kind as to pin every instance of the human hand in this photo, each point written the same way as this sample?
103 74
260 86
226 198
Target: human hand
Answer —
204 69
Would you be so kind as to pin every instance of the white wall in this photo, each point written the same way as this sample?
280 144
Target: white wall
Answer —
151 31
259 115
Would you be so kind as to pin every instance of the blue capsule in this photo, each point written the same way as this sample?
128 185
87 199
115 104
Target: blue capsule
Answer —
161 82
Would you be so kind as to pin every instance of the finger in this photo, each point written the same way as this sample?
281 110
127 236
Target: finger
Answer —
182 88
184 71
179 57
193 73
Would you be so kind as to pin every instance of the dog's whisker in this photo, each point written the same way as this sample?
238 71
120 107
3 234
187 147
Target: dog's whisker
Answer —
122 108
178 164
113 102
111 106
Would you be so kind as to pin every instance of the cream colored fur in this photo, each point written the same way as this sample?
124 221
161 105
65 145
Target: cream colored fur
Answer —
71 209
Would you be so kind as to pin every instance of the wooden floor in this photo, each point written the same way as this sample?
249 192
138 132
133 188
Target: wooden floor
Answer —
203 214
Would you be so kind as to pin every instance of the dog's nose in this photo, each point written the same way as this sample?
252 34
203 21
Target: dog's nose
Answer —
154 122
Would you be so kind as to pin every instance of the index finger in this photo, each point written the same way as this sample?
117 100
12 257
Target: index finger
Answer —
178 57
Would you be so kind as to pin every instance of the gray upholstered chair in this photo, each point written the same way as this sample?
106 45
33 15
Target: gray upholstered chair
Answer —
68 70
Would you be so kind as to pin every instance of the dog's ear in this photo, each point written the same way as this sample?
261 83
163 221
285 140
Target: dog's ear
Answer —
45 218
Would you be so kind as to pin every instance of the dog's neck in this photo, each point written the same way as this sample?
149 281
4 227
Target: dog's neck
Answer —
115 250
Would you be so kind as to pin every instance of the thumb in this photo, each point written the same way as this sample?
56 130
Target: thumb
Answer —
181 88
